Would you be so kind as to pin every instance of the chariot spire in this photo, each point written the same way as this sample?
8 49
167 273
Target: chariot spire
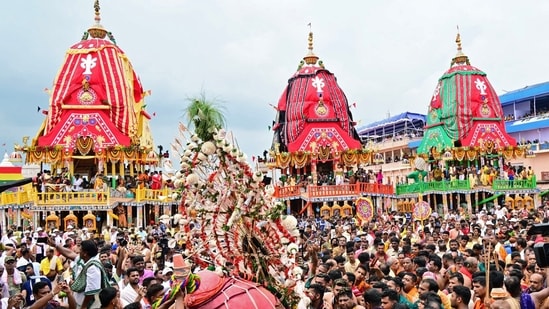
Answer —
97 31
460 57
310 58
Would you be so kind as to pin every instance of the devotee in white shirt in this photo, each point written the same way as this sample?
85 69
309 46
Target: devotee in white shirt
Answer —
77 184
501 212
133 292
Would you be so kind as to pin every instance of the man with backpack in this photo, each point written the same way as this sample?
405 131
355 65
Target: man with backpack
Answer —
89 276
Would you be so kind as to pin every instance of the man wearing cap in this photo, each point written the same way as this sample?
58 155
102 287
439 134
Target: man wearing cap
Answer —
24 259
167 273
501 212
13 277
489 228
33 274
26 235
70 229
84 233
58 237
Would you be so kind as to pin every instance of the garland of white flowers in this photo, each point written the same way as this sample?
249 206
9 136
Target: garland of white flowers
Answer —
240 224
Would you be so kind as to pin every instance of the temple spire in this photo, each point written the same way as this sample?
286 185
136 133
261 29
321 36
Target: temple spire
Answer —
460 58
97 31
310 58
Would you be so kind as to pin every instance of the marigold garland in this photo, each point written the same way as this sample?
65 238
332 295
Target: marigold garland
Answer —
300 159
349 158
471 154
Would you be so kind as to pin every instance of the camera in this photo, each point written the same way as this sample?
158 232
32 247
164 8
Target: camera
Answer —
122 241
163 242
541 249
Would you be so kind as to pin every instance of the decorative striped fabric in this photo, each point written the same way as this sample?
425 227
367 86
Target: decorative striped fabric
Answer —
302 97
459 98
111 78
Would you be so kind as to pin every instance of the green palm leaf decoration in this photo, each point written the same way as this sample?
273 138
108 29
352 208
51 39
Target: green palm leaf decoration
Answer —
205 116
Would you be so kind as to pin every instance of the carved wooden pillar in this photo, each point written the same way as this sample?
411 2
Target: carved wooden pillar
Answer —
445 203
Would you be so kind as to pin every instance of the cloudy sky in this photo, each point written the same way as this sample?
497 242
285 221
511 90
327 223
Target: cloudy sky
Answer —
387 55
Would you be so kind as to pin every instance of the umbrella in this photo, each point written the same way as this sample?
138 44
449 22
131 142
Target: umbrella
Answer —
16 183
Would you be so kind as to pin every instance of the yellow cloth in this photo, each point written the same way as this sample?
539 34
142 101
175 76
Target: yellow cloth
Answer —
413 295
500 249
45 266
98 186
445 300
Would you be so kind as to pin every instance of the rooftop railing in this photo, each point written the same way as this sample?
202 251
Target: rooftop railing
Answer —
442 185
502 184
26 196
314 191
463 185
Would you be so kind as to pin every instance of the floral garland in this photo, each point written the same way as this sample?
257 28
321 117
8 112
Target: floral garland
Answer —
283 160
460 154
300 159
365 157
324 153
129 154
53 155
36 156
114 155
519 152
349 158
508 154
240 223
84 145
471 154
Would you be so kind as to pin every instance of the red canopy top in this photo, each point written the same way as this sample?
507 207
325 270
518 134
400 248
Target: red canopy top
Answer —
313 110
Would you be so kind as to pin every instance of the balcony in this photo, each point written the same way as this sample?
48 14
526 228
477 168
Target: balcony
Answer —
420 187
503 185
100 199
396 143
464 185
337 192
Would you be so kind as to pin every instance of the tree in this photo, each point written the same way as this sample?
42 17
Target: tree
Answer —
205 116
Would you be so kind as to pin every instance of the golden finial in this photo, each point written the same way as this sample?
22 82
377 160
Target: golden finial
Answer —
97 31
310 58
460 57
97 11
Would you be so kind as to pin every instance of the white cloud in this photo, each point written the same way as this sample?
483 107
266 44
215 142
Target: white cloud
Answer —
387 55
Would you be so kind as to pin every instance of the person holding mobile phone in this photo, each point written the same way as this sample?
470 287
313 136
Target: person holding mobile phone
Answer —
44 296
33 274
